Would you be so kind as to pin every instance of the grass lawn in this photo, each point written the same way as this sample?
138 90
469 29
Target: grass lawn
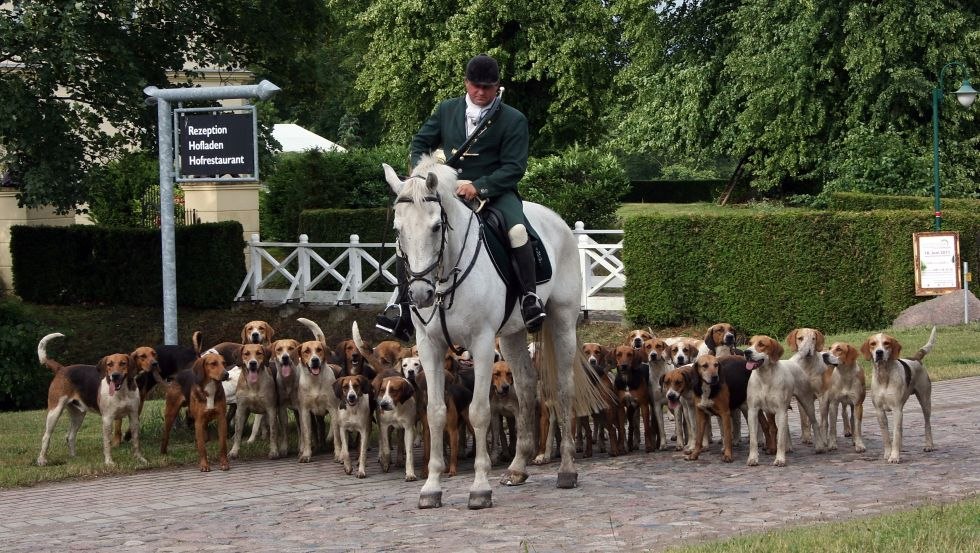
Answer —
933 528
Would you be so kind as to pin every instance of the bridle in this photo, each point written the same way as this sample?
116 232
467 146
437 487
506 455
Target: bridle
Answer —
456 275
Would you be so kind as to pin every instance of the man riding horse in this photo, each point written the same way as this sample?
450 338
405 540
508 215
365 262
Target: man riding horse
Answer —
489 167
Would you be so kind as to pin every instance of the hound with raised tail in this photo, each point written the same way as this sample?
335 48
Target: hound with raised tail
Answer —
893 380
108 388
315 392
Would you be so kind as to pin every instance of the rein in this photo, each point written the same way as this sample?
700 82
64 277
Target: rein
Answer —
456 275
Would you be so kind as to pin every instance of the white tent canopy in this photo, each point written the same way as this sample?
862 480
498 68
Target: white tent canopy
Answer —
294 138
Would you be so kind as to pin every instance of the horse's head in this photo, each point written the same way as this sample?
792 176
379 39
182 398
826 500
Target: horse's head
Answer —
421 221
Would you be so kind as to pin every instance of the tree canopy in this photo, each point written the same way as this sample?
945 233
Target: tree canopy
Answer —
815 94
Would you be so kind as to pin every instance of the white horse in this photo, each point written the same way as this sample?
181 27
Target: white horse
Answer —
451 279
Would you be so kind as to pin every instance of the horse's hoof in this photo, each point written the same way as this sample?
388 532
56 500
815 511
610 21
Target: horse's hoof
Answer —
567 480
430 500
511 478
480 500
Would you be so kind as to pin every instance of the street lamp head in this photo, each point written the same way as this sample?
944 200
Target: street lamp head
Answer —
966 94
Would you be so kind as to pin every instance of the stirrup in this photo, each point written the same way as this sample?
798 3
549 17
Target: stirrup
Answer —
533 312
399 325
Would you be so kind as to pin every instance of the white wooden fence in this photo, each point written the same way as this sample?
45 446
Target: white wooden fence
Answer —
342 273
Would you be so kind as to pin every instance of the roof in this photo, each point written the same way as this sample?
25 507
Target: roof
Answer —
294 138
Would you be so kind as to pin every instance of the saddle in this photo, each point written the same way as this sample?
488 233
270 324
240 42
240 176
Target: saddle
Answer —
498 247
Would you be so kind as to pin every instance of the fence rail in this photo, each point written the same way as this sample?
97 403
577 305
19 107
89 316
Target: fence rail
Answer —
347 272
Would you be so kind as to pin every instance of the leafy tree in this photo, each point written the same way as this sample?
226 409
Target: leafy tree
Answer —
830 93
557 60
71 70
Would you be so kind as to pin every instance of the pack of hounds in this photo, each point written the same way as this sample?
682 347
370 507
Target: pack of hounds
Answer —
339 394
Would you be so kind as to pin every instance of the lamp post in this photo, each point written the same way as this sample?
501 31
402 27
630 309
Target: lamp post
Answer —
966 95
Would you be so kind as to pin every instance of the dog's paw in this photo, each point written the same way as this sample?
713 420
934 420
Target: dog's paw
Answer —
779 462
233 454
690 457
752 462
224 466
894 459
42 461
361 474
204 467
385 465
274 454
304 458
410 478
540 460
860 449
141 460
348 469
929 448
727 458
110 463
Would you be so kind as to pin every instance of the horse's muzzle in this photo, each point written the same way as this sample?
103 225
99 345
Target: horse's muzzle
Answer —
422 294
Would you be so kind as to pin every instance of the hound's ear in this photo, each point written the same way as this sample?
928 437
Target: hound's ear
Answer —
245 339
820 340
270 332
268 353
101 365
896 350
407 391
431 181
709 339
133 365
850 354
777 351
866 349
691 377
392 179
338 389
791 341
365 385
198 369
662 380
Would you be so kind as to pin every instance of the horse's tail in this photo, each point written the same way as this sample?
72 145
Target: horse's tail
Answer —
587 397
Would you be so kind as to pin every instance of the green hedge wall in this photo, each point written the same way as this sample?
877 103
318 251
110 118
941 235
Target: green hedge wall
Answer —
336 225
855 201
770 273
96 264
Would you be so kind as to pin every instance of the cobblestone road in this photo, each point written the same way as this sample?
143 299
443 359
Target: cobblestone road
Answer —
636 502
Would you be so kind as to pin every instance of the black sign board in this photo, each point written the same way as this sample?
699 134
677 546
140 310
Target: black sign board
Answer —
215 145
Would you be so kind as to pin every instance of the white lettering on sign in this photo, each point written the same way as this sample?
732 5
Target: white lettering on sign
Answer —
206 131
203 160
202 145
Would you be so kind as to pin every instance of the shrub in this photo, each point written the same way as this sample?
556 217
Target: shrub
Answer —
580 185
19 334
125 192
318 180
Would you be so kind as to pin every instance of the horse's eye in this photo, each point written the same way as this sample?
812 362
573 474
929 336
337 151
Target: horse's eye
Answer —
437 227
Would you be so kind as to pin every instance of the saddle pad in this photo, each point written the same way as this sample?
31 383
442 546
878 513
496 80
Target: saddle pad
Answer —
498 246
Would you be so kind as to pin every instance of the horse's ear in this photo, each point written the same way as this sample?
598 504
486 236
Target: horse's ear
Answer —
431 181
392 178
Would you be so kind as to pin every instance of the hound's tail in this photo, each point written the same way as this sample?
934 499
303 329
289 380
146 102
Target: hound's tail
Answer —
588 395
315 329
196 340
42 352
367 351
926 348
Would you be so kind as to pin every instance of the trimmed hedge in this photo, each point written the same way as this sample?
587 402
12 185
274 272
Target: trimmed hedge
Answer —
855 201
336 225
95 264
770 273
674 191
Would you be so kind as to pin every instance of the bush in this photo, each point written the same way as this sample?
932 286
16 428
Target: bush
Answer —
854 201
793 269
23 384
318 180
580 185
126 192
96 264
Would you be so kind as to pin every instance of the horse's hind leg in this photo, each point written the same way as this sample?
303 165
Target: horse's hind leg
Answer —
565 345
514 350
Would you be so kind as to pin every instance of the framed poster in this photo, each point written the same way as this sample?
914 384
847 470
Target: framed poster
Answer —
937 263
216 144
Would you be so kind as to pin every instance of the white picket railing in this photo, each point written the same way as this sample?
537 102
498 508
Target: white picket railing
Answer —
303 271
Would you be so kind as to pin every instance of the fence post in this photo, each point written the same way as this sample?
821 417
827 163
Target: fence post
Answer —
356 275
583 262
256 261
304 265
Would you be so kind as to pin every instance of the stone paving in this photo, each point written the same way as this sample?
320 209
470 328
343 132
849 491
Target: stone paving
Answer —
635 502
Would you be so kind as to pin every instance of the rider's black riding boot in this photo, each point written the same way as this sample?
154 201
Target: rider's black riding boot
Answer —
396 319
531 308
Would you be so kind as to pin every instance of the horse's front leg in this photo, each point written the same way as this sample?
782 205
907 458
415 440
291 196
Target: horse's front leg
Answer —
432 353
479 412
526 383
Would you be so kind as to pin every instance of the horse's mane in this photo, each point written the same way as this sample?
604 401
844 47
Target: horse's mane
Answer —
416 188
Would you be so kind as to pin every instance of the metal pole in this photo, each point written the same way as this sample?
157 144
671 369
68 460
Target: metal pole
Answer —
165 139
966 293
168 257
936 92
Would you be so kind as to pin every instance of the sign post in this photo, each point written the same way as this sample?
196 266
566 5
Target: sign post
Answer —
165 121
